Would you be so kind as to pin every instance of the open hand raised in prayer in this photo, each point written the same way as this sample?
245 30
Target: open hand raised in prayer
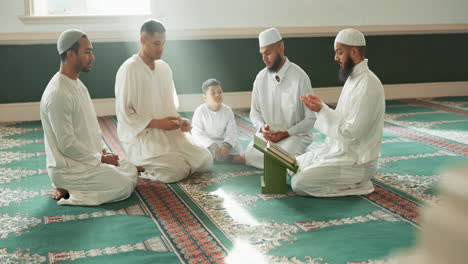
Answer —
312 102
185 125
167 123
275 136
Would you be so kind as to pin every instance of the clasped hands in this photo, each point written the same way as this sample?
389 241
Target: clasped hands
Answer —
273 136
222 152
171 123
110 158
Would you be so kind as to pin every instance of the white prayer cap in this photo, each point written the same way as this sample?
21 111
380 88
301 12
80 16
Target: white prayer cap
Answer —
269 37
68 38
351 37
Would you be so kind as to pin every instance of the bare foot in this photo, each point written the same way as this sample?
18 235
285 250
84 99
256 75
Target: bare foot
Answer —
140 169
59 194
238 159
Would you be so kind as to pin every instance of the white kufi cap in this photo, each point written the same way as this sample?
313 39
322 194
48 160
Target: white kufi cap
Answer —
68 38
268 37
351 37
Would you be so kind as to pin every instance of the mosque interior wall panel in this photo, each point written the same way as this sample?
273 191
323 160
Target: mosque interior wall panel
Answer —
26 69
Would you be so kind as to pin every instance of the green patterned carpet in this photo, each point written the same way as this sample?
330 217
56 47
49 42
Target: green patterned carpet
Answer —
221 217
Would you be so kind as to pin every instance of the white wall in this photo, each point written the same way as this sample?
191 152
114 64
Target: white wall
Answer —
297 13
190 14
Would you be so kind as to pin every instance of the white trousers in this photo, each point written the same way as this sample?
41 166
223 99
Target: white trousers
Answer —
295 145
168 167
169 159
334 180
98 185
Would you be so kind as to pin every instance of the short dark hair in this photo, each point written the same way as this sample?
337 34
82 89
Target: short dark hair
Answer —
75 47
208 83
152 26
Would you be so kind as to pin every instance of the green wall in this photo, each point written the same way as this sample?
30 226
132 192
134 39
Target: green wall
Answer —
26 69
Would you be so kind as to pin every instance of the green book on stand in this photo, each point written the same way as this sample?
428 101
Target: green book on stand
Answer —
276 163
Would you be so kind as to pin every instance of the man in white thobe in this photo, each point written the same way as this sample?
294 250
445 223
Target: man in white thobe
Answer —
276 110
81 169
152 132
348 159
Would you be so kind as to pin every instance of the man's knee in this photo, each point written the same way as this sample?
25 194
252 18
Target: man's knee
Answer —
303 185
253 157
295 145
207 163
173 174
125 174
297 184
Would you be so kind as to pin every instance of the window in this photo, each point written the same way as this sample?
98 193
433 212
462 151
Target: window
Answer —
72 11
90 7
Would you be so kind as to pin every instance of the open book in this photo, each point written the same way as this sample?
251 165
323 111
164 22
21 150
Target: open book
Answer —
276 149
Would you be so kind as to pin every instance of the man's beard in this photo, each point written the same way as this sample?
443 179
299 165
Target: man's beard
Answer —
85 69
346 70
276 64
157 57
82 67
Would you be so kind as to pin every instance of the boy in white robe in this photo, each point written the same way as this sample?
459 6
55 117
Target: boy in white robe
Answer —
348 159
214 125
153 134
81 169
276 111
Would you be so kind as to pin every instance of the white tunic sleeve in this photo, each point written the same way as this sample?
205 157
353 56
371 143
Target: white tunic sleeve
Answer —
199 130
126 95
60 115
176 98
230 135
306 124
255 111
355 121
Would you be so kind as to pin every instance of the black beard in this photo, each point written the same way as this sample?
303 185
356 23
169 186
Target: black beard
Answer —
84 69
346 70
81 68
275 66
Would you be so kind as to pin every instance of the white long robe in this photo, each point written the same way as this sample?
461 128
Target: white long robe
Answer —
73 147
141 95
348 159
278 105
215 127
